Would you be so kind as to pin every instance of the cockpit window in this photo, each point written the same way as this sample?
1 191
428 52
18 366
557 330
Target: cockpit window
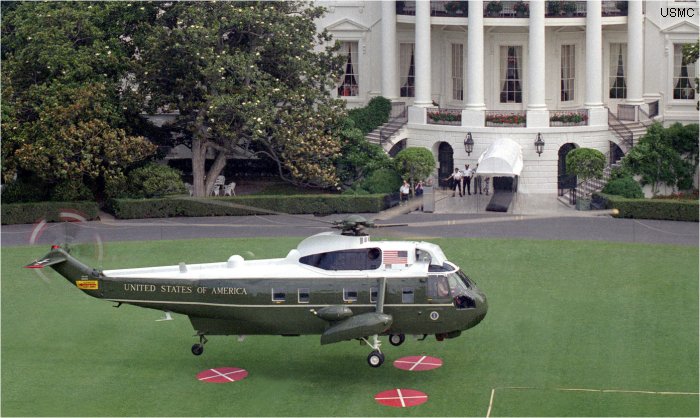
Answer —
358 259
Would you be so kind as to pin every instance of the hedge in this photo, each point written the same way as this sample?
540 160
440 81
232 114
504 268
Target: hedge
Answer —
226 206
669 210
27 213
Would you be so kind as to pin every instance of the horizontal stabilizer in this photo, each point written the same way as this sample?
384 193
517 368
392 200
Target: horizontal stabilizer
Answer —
54 257
358 326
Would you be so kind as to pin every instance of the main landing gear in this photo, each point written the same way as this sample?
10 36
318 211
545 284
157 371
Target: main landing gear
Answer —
376 357
198 349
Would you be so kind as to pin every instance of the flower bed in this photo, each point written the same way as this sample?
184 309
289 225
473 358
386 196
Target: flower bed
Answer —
568 118
445 117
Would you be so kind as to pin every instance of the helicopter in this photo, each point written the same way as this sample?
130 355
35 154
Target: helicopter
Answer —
336 284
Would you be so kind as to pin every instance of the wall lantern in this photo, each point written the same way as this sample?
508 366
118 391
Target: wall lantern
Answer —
469 143
539 144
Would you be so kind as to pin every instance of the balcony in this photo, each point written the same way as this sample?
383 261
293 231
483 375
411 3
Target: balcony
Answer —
513 9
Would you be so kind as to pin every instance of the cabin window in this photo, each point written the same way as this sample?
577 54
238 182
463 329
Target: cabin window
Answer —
359 259
407 295
438 287
304 295
350 295
278 295
373 292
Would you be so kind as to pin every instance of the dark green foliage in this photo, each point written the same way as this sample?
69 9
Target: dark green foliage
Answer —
299 204
384 180
154 180
665 155
585 163
29 189
27 213
372 116
669 210
415 164
70 191
625 187
358 157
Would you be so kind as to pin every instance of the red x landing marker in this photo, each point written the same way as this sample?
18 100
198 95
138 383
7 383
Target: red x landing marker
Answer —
401 398
417 363
222 375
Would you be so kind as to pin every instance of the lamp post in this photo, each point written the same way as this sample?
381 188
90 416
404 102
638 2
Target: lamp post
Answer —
469 143
539 144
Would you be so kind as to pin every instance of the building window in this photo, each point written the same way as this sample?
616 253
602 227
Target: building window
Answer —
349 85
511 84
618 62
407 76
683 75
457 66
568 72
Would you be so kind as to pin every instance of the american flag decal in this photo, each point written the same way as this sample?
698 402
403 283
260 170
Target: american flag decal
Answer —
395 257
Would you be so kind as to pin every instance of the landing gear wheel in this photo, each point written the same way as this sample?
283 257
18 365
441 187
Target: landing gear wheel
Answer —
375 359
197 349
397 339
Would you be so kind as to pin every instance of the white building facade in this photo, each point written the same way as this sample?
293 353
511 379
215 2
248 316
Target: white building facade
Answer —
568 71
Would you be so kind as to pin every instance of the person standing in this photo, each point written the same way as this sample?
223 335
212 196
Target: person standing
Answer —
477 179
456 180
404 190
468 173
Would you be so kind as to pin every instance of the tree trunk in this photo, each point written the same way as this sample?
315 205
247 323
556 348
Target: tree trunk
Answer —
199 153
215 170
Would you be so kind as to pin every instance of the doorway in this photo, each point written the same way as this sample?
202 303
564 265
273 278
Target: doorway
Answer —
446 161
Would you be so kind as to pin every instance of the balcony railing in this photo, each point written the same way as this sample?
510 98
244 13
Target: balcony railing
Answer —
513 9
439 116
578 117
506 119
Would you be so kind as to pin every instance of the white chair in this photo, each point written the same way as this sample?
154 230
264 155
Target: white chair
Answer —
218 183
189 188
230 189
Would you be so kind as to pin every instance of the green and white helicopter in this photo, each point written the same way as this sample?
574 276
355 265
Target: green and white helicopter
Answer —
340 285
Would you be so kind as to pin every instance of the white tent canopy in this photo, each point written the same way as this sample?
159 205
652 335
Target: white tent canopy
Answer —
503 158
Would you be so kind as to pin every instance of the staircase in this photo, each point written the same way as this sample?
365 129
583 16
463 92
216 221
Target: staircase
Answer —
384 133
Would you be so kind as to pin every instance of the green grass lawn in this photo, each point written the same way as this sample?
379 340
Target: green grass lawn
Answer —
562 315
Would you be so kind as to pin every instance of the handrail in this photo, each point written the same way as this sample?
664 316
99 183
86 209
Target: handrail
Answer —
622 131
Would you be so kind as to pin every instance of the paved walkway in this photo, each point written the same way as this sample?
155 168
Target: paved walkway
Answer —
522 204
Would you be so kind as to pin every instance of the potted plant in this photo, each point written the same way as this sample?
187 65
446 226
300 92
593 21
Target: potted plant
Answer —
453 8
493 8
586 164
521 9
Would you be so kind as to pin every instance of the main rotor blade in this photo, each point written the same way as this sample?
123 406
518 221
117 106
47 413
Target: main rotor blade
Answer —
227 204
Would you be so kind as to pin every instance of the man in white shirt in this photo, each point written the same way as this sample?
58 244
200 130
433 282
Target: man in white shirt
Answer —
467 179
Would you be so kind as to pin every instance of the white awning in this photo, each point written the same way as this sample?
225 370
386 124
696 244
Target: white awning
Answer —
503 158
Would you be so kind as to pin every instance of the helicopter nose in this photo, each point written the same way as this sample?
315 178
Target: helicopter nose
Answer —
482 306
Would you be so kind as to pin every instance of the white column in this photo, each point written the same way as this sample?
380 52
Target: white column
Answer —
390 78
537 114
422 57
598 115
594 55
473 115
635 53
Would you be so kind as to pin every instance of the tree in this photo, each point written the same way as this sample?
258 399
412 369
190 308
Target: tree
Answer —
585 163
358 157
665 155
250 78
414 163
65 116
691 52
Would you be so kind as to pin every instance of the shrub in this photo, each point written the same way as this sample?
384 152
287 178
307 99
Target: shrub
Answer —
372 116
625 187
27 213
243 205
669 210
383 180
69 191
154 180
24 190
